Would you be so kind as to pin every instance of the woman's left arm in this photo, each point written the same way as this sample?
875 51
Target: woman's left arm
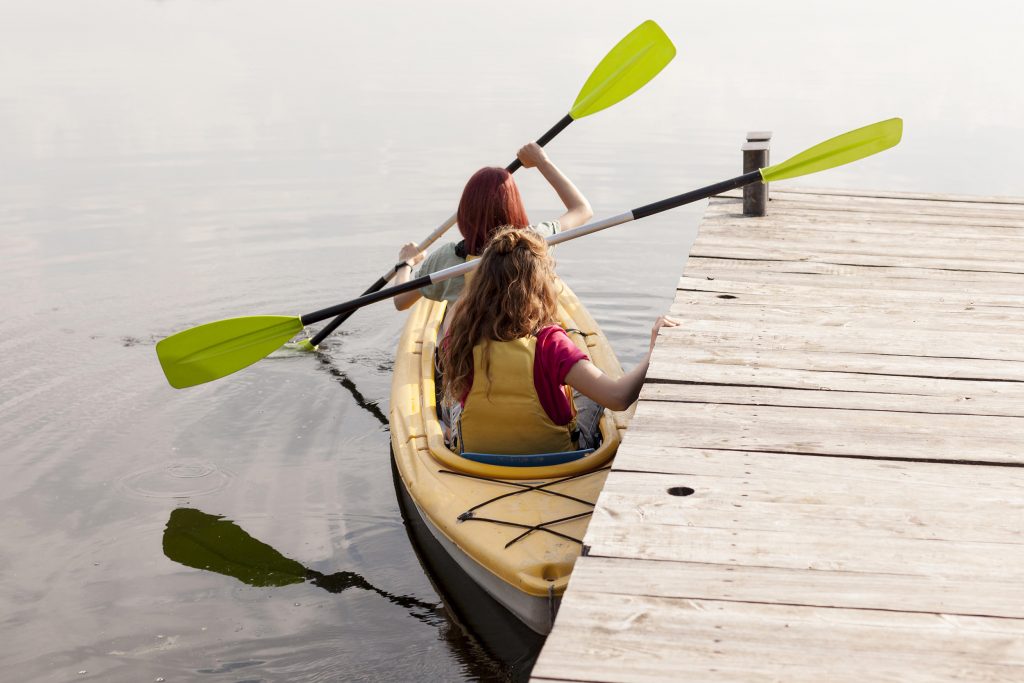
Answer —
614 394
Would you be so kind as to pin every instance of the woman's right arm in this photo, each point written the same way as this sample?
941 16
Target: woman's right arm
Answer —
577 208
411 255
614 394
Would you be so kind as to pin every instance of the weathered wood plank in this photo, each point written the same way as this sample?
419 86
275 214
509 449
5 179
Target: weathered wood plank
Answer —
880 215
889 194
844 204
675 459
836 247
880 226
881 194
825 255
869 244
938 403
895 341
969 319
802 548
972 596
727 352
831 432
873 222
744 496
892 226
913 204
643 638
730 373
810 272
845 291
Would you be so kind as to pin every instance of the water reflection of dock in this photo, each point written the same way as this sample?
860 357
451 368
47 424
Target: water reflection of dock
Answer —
824 480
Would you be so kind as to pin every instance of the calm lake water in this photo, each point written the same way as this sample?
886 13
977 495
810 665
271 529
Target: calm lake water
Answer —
164 164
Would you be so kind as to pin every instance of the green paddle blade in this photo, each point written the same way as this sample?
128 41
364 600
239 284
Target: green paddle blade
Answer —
840 150
634 61
196 539
214 350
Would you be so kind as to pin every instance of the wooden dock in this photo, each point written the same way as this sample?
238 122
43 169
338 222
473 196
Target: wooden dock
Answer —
824 480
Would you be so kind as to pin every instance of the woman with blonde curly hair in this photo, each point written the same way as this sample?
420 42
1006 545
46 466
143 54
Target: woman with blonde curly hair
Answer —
508 368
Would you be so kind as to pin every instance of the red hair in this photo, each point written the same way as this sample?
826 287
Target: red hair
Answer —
489 201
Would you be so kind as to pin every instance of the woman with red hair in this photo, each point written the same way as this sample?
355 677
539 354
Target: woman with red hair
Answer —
489 201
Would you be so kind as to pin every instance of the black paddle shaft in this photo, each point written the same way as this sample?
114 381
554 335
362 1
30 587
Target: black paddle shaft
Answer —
383 281
333 325
366 299
543 140
696 195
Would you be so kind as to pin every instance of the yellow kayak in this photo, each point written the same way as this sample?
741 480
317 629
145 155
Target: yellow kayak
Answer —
515 525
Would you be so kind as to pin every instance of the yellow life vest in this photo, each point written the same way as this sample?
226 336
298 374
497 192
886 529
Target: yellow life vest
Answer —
503 413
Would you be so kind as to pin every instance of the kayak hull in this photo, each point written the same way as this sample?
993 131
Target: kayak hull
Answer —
477 616
536 612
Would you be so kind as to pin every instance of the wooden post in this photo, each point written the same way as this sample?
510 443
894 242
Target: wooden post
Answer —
755 156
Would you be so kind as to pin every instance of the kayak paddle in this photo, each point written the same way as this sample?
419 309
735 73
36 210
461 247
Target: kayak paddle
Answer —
630 65
214 350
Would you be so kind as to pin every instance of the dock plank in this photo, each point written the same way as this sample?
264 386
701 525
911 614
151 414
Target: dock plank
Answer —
833 432
824 254
956 318
936 594
844 291
874 276
886 194
939 402
901 340
656 638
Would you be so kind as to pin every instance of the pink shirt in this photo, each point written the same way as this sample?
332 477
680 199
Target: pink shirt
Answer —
556 354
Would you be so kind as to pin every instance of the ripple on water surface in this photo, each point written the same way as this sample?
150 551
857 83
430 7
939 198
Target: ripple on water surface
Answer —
180 479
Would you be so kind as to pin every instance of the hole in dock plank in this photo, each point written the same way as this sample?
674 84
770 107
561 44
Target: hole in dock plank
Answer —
680 491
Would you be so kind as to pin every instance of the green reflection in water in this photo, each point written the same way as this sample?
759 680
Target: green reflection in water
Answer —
212 543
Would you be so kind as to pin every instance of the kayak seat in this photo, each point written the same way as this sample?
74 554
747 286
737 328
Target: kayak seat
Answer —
529 460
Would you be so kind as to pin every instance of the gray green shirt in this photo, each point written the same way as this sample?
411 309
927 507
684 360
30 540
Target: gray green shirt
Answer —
445 257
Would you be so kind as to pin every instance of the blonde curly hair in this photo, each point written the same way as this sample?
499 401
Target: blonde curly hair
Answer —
512 295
